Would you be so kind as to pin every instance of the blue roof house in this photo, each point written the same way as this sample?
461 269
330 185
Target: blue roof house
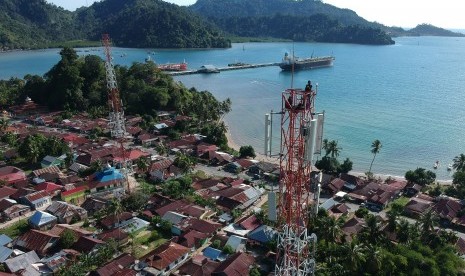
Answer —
42 221
263 234
214 254
108 179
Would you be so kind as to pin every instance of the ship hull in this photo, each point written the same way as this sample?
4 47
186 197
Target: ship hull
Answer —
307 64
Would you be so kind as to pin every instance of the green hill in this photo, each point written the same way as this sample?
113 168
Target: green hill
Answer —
34 24
430 30
149 23
305 20
135 23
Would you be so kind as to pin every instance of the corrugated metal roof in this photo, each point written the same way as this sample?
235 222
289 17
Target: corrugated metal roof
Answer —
22 261
4 239
41 218
5 253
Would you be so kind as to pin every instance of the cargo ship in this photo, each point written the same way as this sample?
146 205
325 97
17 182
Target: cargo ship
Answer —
295 63
173 66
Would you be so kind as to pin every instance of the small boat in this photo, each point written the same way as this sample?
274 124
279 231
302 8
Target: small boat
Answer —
436 164
148 58
235 64
449 167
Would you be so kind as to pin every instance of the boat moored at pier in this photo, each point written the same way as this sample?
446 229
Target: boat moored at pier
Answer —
290 63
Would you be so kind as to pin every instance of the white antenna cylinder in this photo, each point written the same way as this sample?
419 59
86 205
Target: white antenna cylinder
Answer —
319 133
267 134
310 147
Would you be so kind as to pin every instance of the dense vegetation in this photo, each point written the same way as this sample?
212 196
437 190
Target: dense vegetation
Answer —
318 27
418 249
34 24
426 29
148 23
140 23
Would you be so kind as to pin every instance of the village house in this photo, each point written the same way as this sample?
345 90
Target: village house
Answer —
66 213
49 161
51 188
115 221
416 207
78 231
75 196
164 258
22 262
38 241
9 209
240 197
42 221
37 200
198 266
192 239
87 244
237 264
11 175
447 208
6 192
119 266
108 180
352 227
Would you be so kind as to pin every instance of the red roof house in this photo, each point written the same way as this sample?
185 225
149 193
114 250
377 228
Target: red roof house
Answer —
12 175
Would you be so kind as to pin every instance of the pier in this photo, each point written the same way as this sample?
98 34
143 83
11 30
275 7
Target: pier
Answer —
228 68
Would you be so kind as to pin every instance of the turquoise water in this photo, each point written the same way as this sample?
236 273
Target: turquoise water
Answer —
409 95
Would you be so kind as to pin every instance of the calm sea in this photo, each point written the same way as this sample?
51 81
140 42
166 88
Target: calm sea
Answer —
409 95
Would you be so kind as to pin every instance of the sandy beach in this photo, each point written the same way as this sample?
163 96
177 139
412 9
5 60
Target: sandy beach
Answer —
275 160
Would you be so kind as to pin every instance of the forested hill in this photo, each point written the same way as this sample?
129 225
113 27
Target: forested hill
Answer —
149 23
426 29
34 23
135 23
305 20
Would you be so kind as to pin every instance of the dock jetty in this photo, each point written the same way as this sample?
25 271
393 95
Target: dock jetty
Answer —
228 68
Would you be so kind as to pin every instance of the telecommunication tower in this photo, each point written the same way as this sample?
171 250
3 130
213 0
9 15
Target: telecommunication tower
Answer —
117 121
298 197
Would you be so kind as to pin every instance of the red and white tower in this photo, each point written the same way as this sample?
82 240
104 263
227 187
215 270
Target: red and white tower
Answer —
117 121
297 197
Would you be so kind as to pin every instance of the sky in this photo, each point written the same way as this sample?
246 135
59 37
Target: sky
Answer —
402 13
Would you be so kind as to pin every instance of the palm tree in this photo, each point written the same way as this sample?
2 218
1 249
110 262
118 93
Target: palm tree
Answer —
161 149
403 231
324 145
428 220
142 164
459 162
333 149
371 232
332 230
354 253
375 148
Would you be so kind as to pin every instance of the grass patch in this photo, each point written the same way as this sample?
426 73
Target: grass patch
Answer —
403 200
18 228
151 246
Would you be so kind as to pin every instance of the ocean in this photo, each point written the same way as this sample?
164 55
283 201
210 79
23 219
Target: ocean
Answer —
409 95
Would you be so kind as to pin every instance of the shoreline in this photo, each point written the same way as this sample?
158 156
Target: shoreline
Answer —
261 157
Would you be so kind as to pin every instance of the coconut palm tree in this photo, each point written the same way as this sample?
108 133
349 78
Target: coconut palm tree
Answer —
375 148
333 149
428 220
325 146
354 253
403 231
459 162
371 233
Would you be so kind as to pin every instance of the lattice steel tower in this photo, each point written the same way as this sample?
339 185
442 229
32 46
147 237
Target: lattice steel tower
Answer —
297 196
117 121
